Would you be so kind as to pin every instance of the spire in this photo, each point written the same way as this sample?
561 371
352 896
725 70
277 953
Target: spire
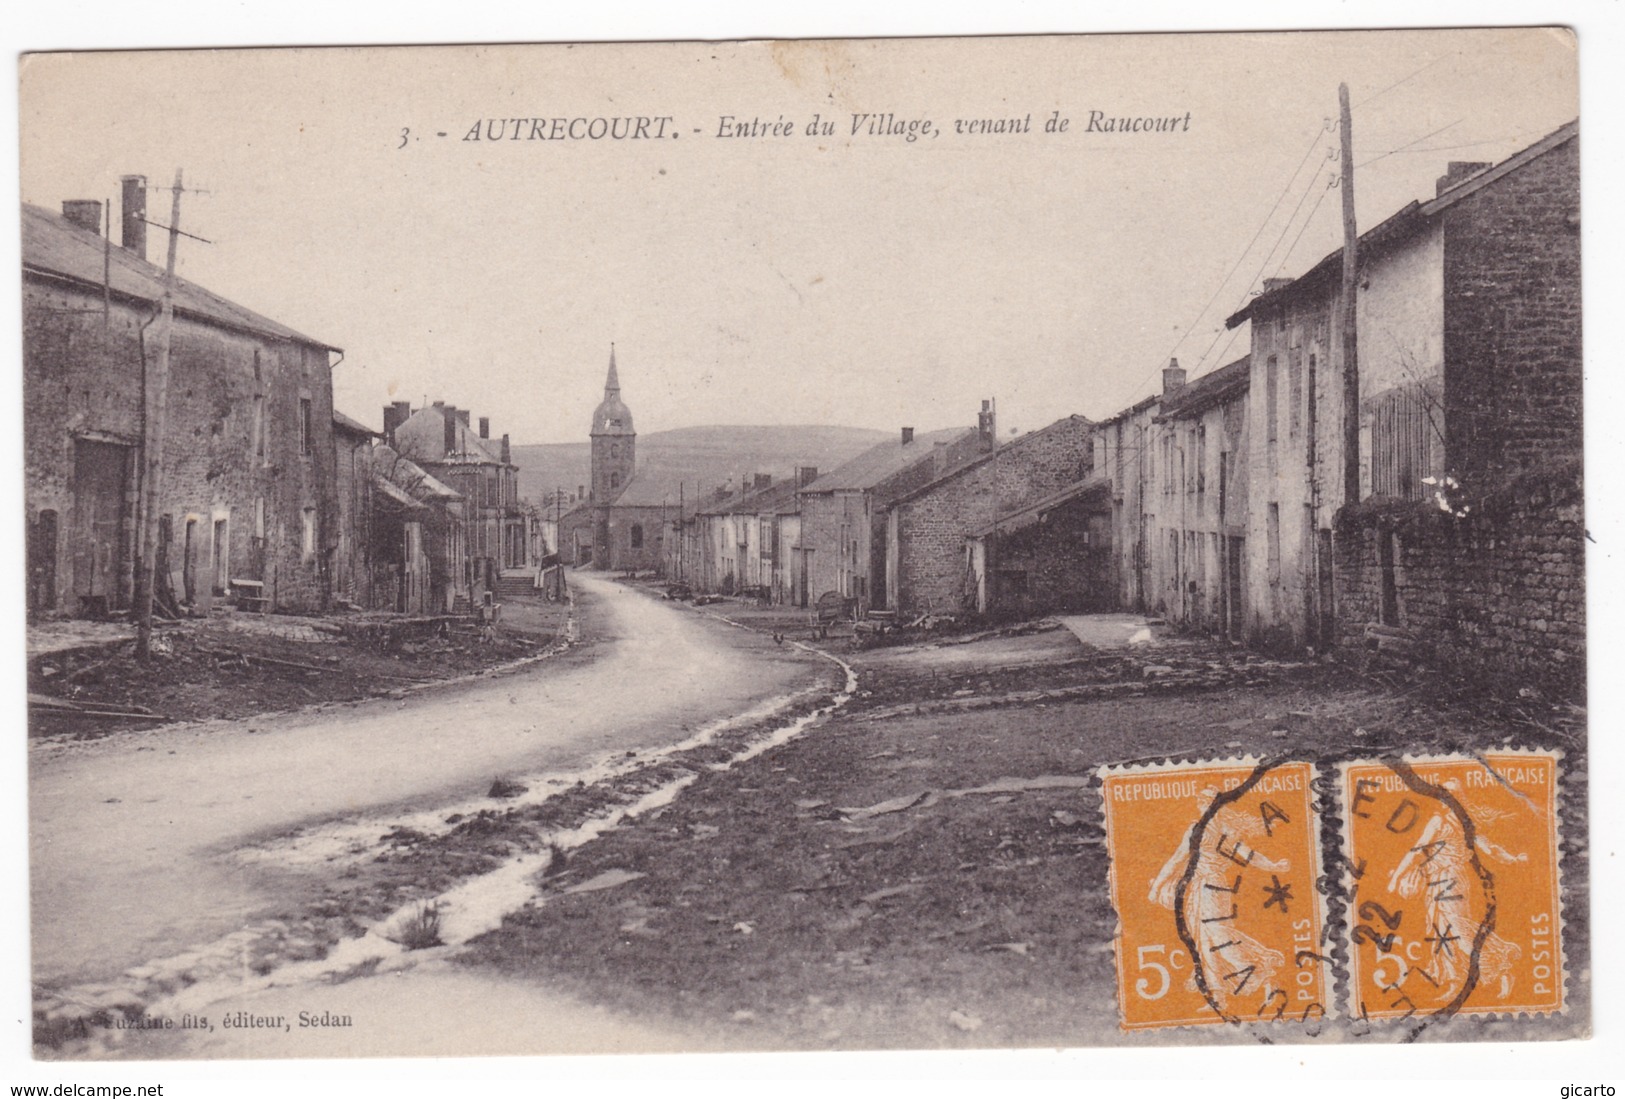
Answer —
612 384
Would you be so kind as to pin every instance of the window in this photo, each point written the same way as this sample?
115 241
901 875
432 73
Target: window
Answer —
1272 386
1407 443
259 426
1294 394
307 540
307 439
614 479
637 535
1273 530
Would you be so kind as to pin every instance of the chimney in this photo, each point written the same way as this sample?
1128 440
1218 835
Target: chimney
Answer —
987 425
485 427
1457 171
394 416
450 415
1275 284
806 475
507 450
462 415
133 223
908 435
581 492
84 212
1173 377
763 480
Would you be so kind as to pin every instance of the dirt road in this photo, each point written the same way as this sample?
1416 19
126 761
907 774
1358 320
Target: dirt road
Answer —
131 836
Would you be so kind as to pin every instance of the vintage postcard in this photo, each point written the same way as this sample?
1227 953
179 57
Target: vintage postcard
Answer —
912 544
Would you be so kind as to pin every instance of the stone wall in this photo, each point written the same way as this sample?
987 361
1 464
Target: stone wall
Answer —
1500 589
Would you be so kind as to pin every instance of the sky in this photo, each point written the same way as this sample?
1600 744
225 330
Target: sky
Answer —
858 280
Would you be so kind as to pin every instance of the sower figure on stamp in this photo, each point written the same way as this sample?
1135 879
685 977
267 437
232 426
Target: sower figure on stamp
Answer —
1239 962
1439 868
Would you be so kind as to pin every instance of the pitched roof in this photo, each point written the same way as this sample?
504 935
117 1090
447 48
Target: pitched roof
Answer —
886 460
468 446
340 420
983 459
1214 387
1035 512
756 501
1407 220
55 247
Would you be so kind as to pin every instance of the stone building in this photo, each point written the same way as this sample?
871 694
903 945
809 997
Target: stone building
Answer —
623 523
480 469
927 570
1200 526
1467 539
247 505
843 513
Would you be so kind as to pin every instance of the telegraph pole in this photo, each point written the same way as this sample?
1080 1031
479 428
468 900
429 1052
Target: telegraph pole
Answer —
155 394
1350 331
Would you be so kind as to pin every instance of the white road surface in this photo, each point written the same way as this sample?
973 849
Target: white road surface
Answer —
131 836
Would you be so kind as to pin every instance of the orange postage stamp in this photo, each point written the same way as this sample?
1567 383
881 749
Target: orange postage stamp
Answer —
1454 885
1215 872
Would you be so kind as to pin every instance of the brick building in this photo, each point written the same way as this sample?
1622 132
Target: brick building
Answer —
248 492
926 531
1467 538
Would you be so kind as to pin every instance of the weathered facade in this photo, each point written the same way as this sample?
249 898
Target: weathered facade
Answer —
1199 531
480 469
927 529
1466 537
843 514
248 495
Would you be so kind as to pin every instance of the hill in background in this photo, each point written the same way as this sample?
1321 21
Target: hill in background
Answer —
698 458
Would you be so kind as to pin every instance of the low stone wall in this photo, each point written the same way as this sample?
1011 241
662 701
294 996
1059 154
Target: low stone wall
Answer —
1497 584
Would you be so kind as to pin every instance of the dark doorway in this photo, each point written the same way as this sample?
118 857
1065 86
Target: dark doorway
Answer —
100 522
42 546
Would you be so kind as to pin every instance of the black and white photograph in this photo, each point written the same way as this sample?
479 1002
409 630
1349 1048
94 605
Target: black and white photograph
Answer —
805 546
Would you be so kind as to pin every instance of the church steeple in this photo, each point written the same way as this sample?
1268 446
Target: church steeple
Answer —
614 441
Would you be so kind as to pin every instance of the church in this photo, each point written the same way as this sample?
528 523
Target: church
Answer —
622 524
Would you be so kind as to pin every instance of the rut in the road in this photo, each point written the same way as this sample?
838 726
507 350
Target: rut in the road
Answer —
558 814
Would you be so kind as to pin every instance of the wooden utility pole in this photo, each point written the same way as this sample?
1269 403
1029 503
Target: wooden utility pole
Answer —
155 395
1348 326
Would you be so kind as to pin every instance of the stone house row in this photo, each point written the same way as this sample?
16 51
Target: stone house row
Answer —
1220 503
267 496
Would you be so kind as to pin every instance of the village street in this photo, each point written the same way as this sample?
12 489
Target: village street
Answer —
136 838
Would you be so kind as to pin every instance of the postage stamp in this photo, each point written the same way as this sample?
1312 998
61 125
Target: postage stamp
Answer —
1214 873
1454 869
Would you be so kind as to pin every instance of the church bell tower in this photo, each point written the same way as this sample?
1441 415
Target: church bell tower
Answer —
614 442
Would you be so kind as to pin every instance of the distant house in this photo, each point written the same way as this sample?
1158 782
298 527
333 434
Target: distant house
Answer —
843 513
926 529
1200 525
353 469
248 496
1467 535
480 469
1125 455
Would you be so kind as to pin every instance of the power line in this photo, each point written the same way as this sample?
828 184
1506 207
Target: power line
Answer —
1404 79
1313 145
1408 144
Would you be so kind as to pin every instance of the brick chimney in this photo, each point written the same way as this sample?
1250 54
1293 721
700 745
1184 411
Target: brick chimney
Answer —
485 427
84 212
395 415
908 435
763 480
133 221
1275 284
449 413
507 450
1173 377
1456 172
462 415
806 475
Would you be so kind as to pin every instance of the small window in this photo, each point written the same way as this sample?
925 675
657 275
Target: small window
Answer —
614 480
307 440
